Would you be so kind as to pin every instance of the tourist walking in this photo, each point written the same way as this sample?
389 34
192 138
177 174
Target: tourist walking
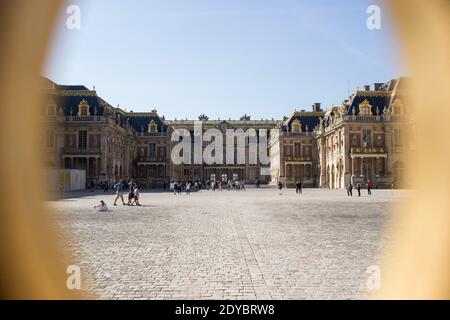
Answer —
350 189
106 187
257 184
358 186
137 195
188 188
242 185
280 188
298 186
130 192
369 187
119 186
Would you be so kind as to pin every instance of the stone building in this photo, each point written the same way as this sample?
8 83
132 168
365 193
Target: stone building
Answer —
360 139
364 137
222 170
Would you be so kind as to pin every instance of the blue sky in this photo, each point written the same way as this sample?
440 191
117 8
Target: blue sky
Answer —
223 58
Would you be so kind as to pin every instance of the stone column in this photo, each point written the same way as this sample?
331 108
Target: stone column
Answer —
389 147
361 173
353 167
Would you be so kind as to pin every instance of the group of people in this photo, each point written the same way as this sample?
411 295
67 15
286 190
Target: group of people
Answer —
359 187
121 187
177 187
298 187
133 192
229 185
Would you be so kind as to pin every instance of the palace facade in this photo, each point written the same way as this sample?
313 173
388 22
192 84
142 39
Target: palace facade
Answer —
363 138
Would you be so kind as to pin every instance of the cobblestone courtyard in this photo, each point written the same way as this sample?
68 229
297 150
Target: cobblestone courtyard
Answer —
227 245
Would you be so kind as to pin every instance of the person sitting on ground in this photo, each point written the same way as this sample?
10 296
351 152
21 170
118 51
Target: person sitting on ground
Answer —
102 207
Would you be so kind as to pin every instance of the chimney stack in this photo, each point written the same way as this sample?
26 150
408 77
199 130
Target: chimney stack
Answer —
378 85
316 107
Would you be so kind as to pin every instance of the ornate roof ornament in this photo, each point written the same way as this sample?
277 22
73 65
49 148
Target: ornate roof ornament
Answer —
296 126
365 108
152 126
203 117
83 108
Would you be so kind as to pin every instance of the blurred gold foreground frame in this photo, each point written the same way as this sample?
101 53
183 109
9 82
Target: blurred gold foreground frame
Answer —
31 265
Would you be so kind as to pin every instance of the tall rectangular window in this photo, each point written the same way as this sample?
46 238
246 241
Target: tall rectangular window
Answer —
398 138
297 150
367 138
82 139
152 150
288 151
50 139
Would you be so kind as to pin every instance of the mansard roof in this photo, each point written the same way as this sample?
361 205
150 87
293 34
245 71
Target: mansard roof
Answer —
308 120
379 100
69 103
140 121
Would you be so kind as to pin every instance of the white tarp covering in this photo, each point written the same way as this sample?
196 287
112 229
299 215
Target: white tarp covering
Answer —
67 179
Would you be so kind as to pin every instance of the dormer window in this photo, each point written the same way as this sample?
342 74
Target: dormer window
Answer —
296 126
152 127
365 108
83 109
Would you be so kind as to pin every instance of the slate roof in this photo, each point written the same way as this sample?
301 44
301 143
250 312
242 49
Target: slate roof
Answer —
378 99
140 121
308 120
69 103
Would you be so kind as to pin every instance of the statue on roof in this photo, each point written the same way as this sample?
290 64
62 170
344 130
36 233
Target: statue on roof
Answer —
203 117
245 117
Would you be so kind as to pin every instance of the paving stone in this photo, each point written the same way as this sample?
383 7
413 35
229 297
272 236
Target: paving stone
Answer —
227 245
